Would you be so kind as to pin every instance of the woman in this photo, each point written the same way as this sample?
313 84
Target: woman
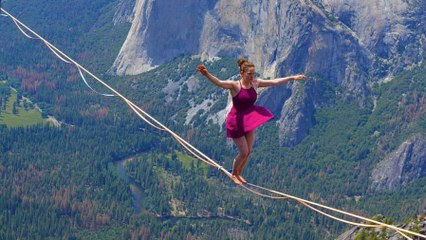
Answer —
244 116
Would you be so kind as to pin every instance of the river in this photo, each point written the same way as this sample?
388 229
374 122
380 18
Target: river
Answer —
137 192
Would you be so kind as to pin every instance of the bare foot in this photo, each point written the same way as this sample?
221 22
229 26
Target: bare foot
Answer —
236 180
241 179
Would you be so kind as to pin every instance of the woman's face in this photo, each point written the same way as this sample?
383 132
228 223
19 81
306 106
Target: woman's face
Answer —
249 74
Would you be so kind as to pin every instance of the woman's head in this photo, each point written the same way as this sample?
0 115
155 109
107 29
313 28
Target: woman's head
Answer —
246 69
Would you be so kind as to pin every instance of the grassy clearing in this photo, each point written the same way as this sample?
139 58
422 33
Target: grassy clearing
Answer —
188 162
23 117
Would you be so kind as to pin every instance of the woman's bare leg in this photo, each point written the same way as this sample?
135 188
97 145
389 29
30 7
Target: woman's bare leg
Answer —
250 141
242 146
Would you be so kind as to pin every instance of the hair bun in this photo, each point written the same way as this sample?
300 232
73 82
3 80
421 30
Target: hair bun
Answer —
241 61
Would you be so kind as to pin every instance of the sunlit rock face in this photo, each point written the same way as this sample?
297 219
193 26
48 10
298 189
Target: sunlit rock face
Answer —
402 166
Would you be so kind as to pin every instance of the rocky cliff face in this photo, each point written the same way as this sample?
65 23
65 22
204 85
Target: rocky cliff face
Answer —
161 31
392 30
125 12
406 164
349 43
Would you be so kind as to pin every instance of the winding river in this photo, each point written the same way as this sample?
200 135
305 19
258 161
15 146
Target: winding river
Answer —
137 191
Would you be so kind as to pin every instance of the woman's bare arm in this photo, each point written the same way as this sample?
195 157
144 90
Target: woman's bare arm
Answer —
216 81
278 81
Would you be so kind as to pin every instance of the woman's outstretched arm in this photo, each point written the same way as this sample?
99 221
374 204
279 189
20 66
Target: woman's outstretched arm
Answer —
278 81
216 81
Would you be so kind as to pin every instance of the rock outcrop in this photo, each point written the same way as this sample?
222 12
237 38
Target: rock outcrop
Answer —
373 233
125 12
401 167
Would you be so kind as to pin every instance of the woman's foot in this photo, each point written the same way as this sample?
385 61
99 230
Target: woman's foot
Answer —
241 179
236 180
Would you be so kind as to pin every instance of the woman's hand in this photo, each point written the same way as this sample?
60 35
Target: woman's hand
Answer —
203 70
299 77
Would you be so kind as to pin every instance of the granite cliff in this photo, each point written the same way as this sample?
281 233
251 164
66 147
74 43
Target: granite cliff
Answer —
402 166
349 43
125 12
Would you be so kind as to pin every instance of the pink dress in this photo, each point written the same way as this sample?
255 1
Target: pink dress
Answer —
244 115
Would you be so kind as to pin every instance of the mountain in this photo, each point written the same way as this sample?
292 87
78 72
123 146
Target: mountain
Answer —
272 33
352 44
105 174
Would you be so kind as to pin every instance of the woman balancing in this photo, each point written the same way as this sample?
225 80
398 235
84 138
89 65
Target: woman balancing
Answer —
244 116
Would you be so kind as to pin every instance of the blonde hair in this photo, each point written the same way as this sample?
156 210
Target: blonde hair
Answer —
244 64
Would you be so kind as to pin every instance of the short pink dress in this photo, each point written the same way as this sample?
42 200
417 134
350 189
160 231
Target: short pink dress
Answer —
244 115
